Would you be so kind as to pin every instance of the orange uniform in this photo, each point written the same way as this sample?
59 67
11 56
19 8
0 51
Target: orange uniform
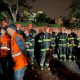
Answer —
4 41
18 57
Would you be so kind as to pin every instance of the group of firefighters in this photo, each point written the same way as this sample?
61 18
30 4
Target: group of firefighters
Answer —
19 47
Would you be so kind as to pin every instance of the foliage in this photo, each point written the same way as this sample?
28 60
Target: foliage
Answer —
75 23
41 18
75 9
23 23
1 17
75 14
14 6
50 21
40 24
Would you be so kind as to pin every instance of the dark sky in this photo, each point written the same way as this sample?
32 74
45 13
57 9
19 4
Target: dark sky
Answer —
53 8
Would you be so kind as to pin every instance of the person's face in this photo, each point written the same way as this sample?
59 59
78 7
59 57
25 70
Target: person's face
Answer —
72 31
3 31
47 30
26 31
30 27
9 31
18 28
63 30
4 23
40 30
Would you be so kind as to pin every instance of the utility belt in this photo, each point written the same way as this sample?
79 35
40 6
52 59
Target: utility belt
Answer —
17 54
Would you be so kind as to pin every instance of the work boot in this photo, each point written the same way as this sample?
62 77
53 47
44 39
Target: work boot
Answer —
47 66
41 66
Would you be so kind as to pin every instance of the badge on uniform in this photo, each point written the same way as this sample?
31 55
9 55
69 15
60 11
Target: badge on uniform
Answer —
17 38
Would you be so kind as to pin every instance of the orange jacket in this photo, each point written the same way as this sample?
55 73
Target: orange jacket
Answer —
4 41
18 57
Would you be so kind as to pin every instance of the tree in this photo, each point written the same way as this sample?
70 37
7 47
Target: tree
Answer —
13 6
3 10
41 17
75 14
75 9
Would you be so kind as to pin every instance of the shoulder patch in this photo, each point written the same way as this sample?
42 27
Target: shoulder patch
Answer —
17 38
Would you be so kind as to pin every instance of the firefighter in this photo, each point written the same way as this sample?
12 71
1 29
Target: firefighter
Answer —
4 42
38 44
53 42
17 52
62 44
72 45
42 48
44 43
78 51
29 41
47 41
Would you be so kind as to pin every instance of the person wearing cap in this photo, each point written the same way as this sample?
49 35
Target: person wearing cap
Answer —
78 50
4 48
41 45
47 41
44 42
29 41
17 52
53 42
4 23
72 45
31 30
62 43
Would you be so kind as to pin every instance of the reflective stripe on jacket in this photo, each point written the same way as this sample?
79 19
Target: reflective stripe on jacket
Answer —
4 41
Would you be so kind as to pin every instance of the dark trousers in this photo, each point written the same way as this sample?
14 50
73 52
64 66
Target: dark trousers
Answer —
4 67
62 51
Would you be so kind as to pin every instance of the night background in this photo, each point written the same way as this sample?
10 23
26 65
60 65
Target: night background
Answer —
44 16
53 8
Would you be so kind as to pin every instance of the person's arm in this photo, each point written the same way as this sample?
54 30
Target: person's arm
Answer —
21 44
